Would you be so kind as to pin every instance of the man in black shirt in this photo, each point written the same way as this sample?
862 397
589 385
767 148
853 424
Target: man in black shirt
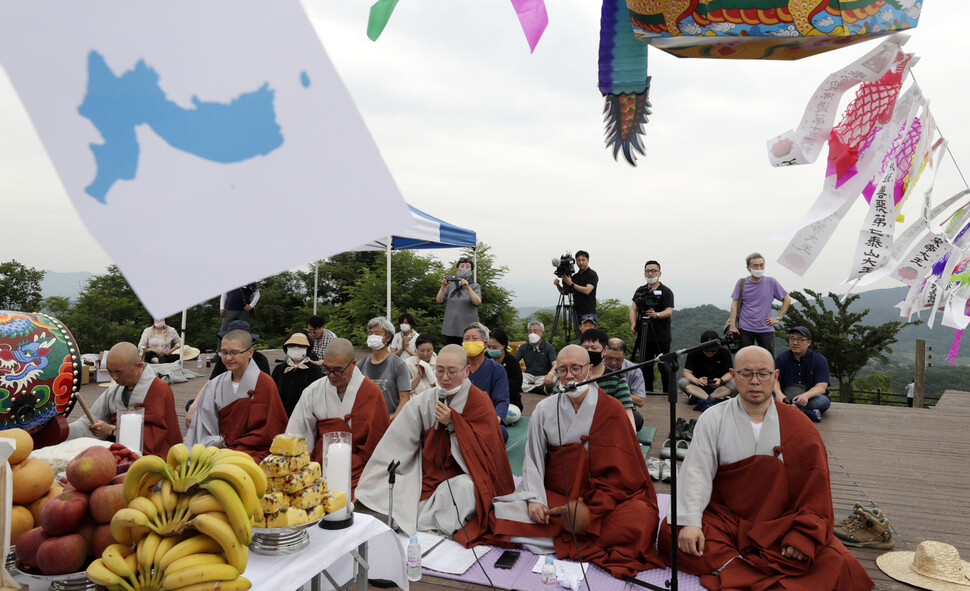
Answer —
583 283
707 373
653 305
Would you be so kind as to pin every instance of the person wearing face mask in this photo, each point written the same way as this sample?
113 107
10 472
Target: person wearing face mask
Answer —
461 298
497 350
388 371
582 437
452 459
345 400
751 314
487 375
295 372
540 361
160 343
594 341
421 366
403 345
653 305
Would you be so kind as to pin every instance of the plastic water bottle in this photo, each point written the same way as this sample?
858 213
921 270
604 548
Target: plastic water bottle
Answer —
414 559
198 362
549 574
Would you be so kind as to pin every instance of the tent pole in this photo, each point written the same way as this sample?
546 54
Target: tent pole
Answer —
182 348
475 266
316 283
388 250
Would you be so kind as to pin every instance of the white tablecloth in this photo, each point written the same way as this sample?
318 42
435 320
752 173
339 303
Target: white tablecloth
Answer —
328 549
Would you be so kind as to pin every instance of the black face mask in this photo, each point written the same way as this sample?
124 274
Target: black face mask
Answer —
595 357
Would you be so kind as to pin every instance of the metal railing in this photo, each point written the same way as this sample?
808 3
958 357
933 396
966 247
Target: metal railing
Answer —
880 398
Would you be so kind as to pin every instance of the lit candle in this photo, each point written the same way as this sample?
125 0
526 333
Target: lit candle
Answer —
130 430
338 473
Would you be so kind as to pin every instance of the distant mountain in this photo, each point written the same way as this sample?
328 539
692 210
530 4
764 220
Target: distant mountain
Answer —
67 285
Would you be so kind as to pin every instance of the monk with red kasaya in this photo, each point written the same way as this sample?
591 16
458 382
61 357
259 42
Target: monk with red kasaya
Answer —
754 509
345 400
136 387
449 445
239 409
582 446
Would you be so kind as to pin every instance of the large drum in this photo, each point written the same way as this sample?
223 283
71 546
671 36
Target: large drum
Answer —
40 370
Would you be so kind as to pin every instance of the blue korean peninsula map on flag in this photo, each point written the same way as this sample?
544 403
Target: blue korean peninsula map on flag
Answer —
243 128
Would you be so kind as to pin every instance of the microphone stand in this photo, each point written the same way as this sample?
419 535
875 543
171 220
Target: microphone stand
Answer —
668 362
392 476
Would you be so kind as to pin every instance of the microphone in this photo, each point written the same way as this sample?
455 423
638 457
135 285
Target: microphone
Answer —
442 395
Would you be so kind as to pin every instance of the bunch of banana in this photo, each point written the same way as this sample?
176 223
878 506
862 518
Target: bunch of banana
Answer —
191 468
166 563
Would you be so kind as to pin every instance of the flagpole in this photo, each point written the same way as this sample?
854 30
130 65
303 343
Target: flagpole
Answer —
316 282
388 251
182 349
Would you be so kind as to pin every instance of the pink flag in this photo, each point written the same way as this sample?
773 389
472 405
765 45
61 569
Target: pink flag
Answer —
533 18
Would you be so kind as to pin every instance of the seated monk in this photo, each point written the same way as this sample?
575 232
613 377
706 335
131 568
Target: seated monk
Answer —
136 387
583 438
755 504
345 400
239 409
451 452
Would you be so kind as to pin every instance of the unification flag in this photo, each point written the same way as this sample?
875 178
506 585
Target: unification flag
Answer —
218 129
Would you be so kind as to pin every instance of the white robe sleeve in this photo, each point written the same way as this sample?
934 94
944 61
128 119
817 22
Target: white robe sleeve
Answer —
205 425
100 411
534 463
697 473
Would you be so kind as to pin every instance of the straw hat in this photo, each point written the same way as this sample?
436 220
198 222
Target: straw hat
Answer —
934 565
299 339
190 353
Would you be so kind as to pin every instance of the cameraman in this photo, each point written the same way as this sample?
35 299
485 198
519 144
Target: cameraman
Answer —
461 299
583 284
653 305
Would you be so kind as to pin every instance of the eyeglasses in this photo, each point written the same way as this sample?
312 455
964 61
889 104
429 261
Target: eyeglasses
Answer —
232 353
651 272
747 374
336 371
797 340
451 371
572 369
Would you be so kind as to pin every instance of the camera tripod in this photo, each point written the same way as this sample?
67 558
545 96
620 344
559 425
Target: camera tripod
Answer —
641 353
570 322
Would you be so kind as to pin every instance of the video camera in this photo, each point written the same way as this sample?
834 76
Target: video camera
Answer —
565 265
648 299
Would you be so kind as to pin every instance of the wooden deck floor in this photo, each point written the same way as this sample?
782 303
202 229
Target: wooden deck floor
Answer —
911 463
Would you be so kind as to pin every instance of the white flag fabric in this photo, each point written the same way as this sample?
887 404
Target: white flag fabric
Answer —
223 123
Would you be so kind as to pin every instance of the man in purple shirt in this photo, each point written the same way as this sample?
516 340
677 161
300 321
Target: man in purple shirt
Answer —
751 313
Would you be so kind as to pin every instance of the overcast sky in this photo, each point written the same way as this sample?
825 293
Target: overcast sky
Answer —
478 132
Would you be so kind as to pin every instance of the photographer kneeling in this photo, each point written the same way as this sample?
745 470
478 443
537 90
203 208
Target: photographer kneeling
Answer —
653 305
461 299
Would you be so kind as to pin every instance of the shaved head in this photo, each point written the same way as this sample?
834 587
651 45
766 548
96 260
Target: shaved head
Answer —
573 354
753 354
239 336
460 357
126 353
124 365
340 351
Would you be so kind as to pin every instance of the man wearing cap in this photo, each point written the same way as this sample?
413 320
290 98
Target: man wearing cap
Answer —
136 386
804 375
452 459
296 372
707 373
238 304
754 508
461 298
346 400
586 322
241 408
583 283
540 361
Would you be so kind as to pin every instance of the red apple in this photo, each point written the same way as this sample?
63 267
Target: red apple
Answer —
119 479
91 468
86 531
62 554
101 539
105 502
27 545
64 513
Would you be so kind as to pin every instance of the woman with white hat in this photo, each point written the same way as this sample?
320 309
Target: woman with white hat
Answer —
296 372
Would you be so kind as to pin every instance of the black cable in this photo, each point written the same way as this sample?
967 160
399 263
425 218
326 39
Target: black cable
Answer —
565 487
454 503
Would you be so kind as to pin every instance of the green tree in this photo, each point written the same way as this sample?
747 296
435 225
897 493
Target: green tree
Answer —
284 305
56 306
840 335
107 312
20 287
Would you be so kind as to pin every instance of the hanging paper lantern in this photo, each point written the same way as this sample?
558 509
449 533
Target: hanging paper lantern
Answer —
40 370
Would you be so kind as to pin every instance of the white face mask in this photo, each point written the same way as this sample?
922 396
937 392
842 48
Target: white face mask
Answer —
375 342
534 338
405 327
757 272
577 392
442 393
296 353
160 324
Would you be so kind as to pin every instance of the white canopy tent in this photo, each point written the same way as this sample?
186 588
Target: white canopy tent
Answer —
426 232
